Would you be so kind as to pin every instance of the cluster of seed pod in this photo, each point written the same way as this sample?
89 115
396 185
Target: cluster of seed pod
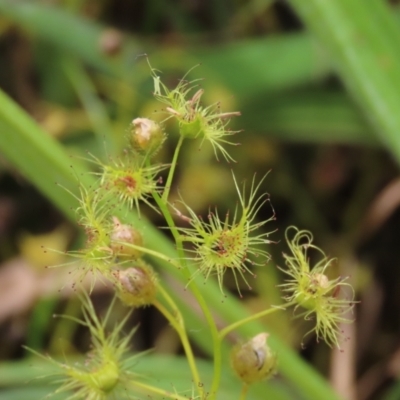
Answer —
135 282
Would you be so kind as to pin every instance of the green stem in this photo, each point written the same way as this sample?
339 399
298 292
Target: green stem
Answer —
235 325
170 302
168 184
197 294
243 392
215 339
150 253
177 323
162 204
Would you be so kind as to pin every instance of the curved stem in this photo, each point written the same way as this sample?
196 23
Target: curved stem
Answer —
197 294
169 300
177 323
235 325
168 184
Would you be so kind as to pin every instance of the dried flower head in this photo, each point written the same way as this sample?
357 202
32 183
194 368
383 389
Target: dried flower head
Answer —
253 361
311 288
195 120
231 243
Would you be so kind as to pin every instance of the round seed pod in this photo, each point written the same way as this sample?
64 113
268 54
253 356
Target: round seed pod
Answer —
122 236
253 361
146 136
136 286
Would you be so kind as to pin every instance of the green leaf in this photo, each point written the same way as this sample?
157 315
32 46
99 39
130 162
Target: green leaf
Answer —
314 116
367 59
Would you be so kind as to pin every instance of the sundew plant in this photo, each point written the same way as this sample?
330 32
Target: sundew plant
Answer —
208 247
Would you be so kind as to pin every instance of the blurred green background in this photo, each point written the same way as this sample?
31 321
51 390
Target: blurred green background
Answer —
318 86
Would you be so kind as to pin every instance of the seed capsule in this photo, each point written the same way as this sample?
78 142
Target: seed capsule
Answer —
146 136
125 234
136 286
253 361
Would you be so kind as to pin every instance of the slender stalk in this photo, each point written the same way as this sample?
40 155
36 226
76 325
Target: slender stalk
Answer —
243 392
176 321
171 173
150 253
235 325
197 294
171 303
